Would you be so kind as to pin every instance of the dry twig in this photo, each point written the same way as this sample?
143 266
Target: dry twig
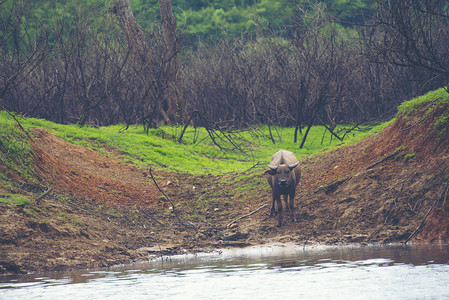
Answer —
153 218
245 216
383 159
332 187
38 199
388 215
171 202
444 192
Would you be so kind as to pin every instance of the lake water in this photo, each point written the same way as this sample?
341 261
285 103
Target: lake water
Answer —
267 272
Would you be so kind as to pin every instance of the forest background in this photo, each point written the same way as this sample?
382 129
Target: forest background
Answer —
239 64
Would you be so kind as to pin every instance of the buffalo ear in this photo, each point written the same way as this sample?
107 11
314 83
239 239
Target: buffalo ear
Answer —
292 166
272 170
269 172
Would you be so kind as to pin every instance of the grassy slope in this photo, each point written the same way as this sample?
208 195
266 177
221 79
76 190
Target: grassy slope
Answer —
197 154
437 96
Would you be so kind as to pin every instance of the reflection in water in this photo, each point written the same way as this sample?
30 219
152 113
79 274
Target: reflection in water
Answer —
290 272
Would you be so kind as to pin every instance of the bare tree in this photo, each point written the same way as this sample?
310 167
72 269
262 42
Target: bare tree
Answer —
173 92
164 75
315 75
21 50
135 35
413 34
319 87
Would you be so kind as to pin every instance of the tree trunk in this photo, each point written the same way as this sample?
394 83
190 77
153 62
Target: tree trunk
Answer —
173 91
312 119
171 108
134 33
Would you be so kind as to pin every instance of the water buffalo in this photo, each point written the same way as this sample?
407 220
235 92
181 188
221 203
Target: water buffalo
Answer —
283 176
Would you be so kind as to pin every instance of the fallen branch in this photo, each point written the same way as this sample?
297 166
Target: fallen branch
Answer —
254 166
444 192
15 119
153 218
245 216
38 199
330 130
388 215
374 233
332 187
383 159
171 202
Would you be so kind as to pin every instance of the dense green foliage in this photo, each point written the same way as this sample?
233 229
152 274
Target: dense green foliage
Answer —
204 20
209 20
197 154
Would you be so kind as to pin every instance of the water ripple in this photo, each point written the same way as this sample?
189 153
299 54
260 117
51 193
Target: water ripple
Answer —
395 272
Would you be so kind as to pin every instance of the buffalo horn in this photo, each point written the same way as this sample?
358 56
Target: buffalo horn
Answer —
274 168
292 166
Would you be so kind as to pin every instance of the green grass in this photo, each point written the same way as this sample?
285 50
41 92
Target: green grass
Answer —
429 102
437 97
15 199
15 151
196 154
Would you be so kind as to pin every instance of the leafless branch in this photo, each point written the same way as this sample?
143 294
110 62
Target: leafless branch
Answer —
38 199
171 202
245 216
444 192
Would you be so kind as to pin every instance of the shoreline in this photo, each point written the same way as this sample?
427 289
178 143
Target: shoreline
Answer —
228 253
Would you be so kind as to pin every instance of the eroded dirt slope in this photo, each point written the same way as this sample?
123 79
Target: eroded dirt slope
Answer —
82 172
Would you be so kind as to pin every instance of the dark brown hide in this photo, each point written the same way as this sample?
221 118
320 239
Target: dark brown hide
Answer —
283 176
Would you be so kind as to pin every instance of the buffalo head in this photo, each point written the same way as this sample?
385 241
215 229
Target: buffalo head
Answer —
282 173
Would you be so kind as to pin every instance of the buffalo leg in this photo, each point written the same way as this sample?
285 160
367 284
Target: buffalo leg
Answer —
287 206
280 220
291 205
273 210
